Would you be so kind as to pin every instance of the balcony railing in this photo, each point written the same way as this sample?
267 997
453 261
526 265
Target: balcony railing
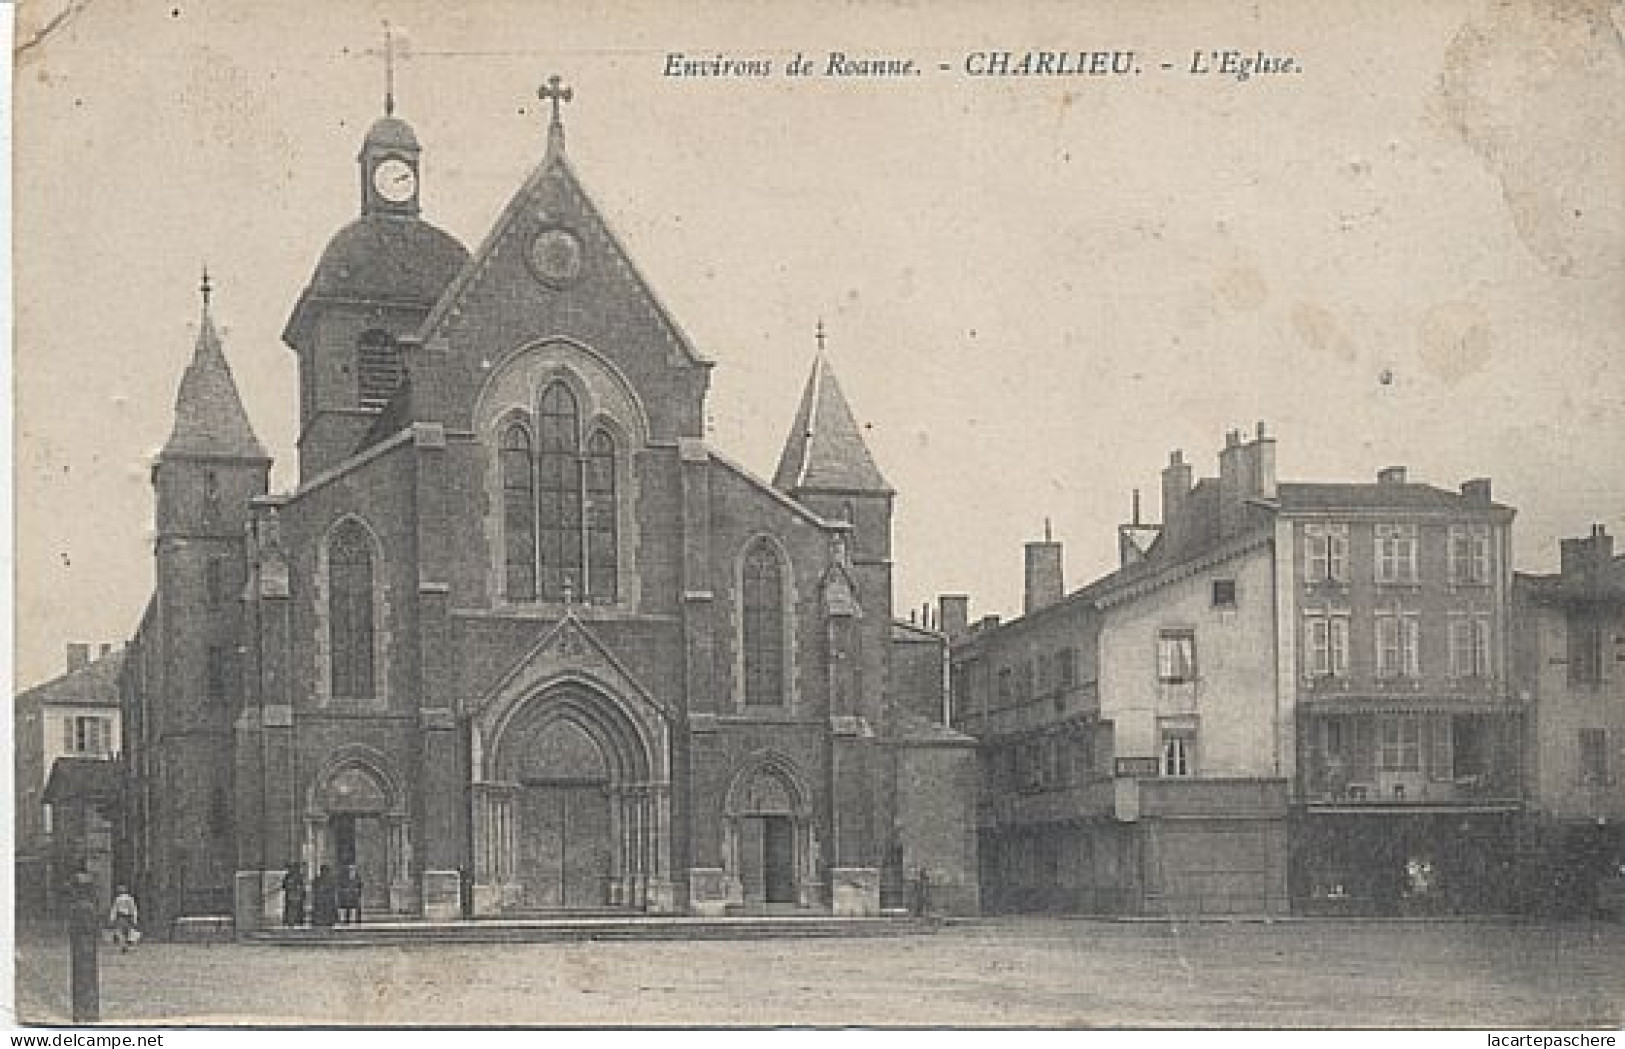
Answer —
1333 785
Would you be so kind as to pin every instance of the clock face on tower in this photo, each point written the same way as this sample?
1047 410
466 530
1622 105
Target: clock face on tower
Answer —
395 180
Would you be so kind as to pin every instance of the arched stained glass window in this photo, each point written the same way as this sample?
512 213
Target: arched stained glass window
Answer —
350 625
763 620
558 468
602 553
518 514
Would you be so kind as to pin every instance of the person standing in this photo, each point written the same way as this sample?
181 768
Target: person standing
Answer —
350 895
126 919
293 895
324 908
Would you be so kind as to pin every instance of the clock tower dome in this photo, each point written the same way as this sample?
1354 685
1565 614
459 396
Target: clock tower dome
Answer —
389 168
376 281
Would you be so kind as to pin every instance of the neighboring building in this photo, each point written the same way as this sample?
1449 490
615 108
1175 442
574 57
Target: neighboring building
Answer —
1131 761
1335 648
1569 658
1395 625
72 716
518 624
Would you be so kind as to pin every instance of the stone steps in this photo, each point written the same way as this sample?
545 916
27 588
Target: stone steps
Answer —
579 928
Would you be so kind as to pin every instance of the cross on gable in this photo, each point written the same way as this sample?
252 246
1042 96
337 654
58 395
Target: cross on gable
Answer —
556 92
394 47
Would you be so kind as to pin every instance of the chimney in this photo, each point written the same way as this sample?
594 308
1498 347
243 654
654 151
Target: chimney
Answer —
987 623
1587 558
1176 485
106 648
1233 482
1476 491
78 656
953 613
1391 475
1044 581
1264 464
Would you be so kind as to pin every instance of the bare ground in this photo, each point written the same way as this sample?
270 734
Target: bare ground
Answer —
1021 972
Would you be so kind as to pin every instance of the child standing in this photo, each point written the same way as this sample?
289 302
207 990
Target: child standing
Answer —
126 917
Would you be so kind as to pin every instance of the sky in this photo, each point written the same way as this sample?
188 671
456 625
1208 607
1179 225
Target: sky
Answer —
1409 251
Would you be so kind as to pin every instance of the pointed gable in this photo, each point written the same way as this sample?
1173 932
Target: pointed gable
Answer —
552 229
825 450
209 417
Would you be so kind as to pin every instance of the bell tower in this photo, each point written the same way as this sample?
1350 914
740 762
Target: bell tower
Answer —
376 282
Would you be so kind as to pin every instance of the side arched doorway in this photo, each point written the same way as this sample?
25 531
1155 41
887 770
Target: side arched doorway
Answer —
568 814
768 843
356 815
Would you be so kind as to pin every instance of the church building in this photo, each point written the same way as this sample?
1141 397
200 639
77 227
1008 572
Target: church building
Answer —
520 640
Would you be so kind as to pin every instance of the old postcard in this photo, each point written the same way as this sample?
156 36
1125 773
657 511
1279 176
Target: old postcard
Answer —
747 514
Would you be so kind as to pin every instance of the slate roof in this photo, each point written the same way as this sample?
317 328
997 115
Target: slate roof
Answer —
912 633
391 132
82 779
1379 496
393 257
209 415
825 450
92 685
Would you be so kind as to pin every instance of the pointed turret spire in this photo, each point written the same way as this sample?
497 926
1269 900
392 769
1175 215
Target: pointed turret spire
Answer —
825 450
209 416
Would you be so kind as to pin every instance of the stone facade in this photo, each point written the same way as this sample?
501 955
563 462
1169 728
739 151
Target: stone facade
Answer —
74 715
1569 668
1285 691
519 640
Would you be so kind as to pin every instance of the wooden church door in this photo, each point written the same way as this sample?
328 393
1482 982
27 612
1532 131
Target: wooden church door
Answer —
564 852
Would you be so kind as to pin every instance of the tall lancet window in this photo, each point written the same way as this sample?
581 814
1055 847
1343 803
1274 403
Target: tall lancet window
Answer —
349 610
518 514
558 468
763 625
602 553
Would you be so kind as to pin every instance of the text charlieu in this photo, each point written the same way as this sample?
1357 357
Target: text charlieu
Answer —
1225 62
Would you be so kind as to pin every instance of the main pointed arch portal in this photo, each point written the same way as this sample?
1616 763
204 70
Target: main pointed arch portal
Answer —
572 806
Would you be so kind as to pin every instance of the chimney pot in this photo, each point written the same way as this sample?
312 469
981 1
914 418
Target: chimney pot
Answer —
78 655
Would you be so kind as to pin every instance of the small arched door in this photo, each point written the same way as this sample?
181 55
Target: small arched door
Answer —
358 833
768 834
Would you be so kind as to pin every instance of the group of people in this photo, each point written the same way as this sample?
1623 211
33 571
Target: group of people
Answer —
333 900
